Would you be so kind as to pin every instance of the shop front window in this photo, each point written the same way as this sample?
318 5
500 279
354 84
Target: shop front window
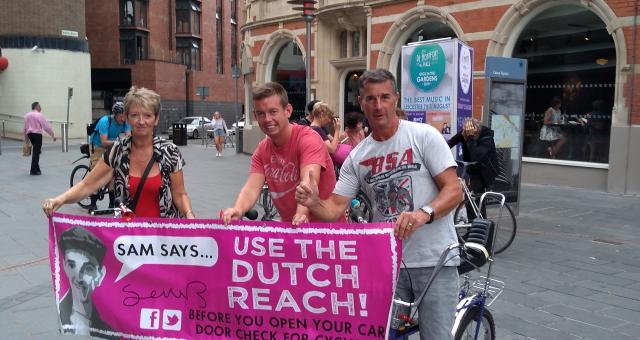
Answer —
570 85
289 71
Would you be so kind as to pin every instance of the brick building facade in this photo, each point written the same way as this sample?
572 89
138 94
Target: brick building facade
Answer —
175 47
102 48
44 43
581 51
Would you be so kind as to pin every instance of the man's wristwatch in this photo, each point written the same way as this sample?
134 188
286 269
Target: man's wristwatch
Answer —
427 209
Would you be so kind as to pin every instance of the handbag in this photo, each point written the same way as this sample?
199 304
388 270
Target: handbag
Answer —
26 149
341 153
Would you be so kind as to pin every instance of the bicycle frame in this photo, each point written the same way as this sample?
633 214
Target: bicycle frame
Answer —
444 258
479 299
467 300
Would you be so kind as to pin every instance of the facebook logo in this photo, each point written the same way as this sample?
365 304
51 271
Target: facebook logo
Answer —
149 318
169 319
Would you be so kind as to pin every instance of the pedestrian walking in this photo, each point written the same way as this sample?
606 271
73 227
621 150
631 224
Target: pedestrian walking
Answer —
34 125
219 132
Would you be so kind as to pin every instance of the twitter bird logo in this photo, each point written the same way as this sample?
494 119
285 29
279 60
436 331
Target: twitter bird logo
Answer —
172 320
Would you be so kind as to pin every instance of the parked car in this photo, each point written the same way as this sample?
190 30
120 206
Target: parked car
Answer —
232 129
195 129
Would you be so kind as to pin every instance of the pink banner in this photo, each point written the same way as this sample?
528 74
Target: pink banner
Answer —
174 279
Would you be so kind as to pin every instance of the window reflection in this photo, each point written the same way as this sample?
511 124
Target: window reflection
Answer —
126 12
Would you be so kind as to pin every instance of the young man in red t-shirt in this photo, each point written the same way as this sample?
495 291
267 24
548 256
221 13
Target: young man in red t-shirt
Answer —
289 154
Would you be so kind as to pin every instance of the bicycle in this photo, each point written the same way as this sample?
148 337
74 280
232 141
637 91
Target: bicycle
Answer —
79 172
270 213
507 222
359 210
473 320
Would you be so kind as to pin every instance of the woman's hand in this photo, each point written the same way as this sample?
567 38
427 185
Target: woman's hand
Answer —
189 214
50 205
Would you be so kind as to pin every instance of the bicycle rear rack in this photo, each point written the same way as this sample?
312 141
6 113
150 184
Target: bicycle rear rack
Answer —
494 288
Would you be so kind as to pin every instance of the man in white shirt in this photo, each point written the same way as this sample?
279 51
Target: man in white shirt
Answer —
407 171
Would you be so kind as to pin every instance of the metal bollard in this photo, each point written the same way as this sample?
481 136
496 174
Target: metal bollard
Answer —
64 135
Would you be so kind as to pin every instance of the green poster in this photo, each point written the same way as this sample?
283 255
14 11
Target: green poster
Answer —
427 66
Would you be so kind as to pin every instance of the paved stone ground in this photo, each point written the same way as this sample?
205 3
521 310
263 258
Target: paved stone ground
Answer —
573 271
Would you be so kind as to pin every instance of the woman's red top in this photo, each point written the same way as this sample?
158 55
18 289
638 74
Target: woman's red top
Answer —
148 202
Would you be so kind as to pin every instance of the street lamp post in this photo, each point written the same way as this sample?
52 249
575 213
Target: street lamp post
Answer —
308 13
203 92
236 73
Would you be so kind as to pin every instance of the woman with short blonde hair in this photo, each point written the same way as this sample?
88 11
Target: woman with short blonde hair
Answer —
147 169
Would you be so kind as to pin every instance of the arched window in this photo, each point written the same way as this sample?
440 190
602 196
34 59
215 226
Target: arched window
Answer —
571 58
289 71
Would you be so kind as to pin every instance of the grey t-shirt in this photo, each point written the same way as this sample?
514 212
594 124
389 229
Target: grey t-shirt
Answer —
397 175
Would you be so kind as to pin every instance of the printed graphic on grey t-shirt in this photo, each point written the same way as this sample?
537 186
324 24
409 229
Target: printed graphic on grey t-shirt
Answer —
391 183
394 196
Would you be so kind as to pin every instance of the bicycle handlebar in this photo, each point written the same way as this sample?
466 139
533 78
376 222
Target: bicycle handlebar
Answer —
109 211
251 214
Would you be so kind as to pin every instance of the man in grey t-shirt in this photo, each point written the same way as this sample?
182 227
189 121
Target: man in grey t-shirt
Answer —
408 173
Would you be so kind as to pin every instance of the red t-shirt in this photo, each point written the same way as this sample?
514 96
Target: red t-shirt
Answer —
149 200
281 168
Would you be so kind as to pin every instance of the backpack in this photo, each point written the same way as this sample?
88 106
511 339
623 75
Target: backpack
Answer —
91 128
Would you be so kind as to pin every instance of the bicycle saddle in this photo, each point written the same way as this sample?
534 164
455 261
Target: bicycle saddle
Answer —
479 245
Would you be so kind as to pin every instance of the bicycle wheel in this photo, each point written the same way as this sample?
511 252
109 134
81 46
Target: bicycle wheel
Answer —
506 224
77 174
468 324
